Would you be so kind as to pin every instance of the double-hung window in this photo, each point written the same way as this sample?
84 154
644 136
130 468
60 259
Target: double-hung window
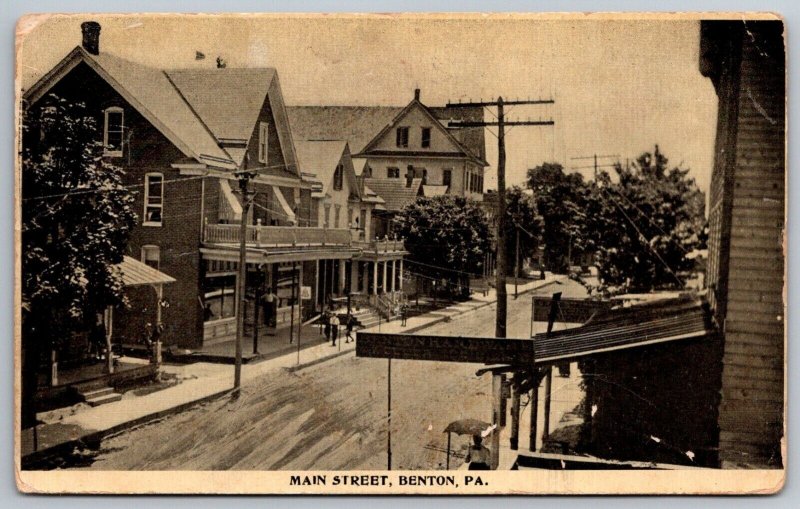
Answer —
151 255
113 131
153 199
338 178
393 173
263 145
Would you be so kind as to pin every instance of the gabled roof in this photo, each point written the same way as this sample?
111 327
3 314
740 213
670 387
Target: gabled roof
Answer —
151 92
395 193
321 157
359 124
463 151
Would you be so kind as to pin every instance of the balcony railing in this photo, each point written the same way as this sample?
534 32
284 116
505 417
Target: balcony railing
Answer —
381 246
277 235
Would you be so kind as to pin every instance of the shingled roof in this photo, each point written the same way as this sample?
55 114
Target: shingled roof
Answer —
395 193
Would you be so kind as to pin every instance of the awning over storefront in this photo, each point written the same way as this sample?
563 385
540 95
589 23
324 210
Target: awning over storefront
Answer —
230 209
630 327
284 205
136 273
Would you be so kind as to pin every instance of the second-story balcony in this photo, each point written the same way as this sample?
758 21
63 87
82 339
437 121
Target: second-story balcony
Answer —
278 236
266 237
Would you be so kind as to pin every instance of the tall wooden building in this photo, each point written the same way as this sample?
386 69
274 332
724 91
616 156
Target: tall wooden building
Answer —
746 267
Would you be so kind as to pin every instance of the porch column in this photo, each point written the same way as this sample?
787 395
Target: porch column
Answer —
342 276
316 283
385 270
375 278
109 321
353 276
394 274
364 277
401 274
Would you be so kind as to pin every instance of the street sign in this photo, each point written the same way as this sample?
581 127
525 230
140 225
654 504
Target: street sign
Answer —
445 348
305 293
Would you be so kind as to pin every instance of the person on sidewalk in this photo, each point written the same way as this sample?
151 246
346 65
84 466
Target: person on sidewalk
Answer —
351 322
326 323
334 321
403 314
268 307
478 456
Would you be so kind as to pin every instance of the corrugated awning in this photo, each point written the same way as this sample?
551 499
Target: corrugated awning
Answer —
635 326
136 273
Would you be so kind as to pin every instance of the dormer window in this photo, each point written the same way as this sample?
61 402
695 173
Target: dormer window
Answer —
113 130
426 137
338 178
402 137
263 133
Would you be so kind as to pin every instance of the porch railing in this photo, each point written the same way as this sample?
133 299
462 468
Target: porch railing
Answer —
277 235
381 246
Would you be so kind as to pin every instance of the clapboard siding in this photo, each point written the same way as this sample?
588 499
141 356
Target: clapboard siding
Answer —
746 269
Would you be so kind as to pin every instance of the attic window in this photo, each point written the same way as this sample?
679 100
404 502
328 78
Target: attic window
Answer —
402 137
113 131
426 137
338 178
263 145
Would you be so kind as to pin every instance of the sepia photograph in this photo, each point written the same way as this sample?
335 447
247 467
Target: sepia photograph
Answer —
371 254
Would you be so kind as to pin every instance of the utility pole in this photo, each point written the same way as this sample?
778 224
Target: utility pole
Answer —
244 178
502 269
516 267
595 166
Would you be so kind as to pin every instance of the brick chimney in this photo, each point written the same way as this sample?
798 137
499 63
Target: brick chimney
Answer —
91 36
416 94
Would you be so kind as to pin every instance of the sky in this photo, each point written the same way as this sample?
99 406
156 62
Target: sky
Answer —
619 86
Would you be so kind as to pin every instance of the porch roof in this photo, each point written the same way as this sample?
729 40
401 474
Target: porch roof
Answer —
136 273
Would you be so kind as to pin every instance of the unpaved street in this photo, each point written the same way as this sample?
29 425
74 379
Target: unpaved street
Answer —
327 417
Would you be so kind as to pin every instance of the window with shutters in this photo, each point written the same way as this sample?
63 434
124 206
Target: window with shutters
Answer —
426 137
402 137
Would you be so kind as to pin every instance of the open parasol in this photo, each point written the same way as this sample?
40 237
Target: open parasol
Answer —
466 427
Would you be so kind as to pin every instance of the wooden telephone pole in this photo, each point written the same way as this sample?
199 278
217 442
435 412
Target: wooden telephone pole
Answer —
244 178
501 124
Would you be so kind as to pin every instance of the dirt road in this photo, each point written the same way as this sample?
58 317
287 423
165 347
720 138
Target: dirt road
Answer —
331 416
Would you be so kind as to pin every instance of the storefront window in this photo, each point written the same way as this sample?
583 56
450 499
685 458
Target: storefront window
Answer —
219 297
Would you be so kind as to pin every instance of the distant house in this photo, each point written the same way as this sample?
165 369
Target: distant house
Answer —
413 141
180 135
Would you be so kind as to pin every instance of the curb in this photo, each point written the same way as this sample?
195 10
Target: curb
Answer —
318 360
94 438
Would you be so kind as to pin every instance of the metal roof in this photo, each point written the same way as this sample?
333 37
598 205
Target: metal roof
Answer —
136 273
630 327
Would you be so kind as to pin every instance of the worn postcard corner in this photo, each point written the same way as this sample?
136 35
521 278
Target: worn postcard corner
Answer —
401 254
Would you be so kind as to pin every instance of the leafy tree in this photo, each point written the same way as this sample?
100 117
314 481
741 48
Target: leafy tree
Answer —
76 220
520 211
447 237
650 219
561 200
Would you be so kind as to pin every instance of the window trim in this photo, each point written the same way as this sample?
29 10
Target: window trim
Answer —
153 248
263 142
106 151
147 176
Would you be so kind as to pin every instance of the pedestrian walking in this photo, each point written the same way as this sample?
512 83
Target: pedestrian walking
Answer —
351 322
268 307
334 321
403 314
326 321
478 456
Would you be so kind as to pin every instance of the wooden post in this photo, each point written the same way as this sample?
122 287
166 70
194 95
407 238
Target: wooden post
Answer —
291 308
548 386
53 368
240 280
497 395
534 413
389 415
516 268
502 297
514 440
109 322
448 450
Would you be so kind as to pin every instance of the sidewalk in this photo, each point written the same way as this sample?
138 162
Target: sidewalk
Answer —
204 382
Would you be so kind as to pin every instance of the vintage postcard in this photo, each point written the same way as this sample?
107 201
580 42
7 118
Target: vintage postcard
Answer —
401 254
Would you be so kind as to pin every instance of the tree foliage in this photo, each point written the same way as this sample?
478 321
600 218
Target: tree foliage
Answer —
521 211
446 236
561 200
76 219
652 217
